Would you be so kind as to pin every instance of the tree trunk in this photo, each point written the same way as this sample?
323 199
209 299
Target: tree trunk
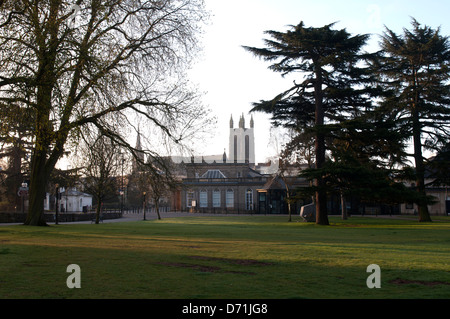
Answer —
288 198
98 210
424 215
321 206
157 208
97 213
41 167
321 196
343 207
40 172
289 207
38 181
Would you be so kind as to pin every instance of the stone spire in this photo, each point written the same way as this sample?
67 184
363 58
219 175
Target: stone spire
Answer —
139 152
138 141
231 121
252 123
242 121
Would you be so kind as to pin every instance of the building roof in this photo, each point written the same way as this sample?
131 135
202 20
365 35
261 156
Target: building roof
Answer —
274 183
213 173
74 192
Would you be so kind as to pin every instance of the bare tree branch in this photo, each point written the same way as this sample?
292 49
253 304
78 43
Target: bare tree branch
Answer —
119 59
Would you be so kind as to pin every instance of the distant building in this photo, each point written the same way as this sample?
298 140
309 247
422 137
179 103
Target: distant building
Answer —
441 206
235 183
437 179
73 201
221 187
225 184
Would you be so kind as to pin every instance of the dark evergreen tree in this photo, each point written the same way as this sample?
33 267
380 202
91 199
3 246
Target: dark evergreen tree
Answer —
363 162
16 125
334 88
415 70
438 169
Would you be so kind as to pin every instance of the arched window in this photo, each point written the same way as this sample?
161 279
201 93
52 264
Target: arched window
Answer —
230 198
249 199
203 198
216 198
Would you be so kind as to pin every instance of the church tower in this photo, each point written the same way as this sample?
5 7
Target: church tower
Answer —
139 153
242 142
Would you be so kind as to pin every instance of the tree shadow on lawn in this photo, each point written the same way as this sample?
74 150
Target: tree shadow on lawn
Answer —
320 282
217 269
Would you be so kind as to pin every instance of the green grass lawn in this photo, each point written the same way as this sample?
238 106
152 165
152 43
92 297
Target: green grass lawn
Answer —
228 257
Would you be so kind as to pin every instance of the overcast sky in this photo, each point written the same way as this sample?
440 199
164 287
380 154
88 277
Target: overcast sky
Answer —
232 78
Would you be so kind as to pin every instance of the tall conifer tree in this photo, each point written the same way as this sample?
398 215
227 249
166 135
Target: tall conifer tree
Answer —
415 67
333 87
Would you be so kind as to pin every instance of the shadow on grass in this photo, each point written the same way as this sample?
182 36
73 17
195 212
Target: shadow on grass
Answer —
225 258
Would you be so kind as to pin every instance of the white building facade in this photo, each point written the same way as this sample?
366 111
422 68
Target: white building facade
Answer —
73 201
242 142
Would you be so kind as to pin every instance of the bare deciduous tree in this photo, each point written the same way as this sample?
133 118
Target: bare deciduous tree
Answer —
117 60
158 179
100 161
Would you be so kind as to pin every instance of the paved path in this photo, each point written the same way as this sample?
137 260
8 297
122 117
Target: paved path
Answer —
150 216
139 217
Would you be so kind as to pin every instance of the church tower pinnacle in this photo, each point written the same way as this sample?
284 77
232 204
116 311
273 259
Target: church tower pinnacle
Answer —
139 153
242 142
242 121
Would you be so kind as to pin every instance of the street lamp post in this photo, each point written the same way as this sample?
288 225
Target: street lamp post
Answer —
144 204
123 191
57 204
25 187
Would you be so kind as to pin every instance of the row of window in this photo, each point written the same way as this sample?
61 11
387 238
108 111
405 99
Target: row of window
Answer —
217 199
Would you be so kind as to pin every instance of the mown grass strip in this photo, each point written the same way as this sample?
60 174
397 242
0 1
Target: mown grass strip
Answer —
227 257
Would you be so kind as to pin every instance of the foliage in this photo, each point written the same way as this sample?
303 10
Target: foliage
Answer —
333 103
362 109
438 169
414 69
